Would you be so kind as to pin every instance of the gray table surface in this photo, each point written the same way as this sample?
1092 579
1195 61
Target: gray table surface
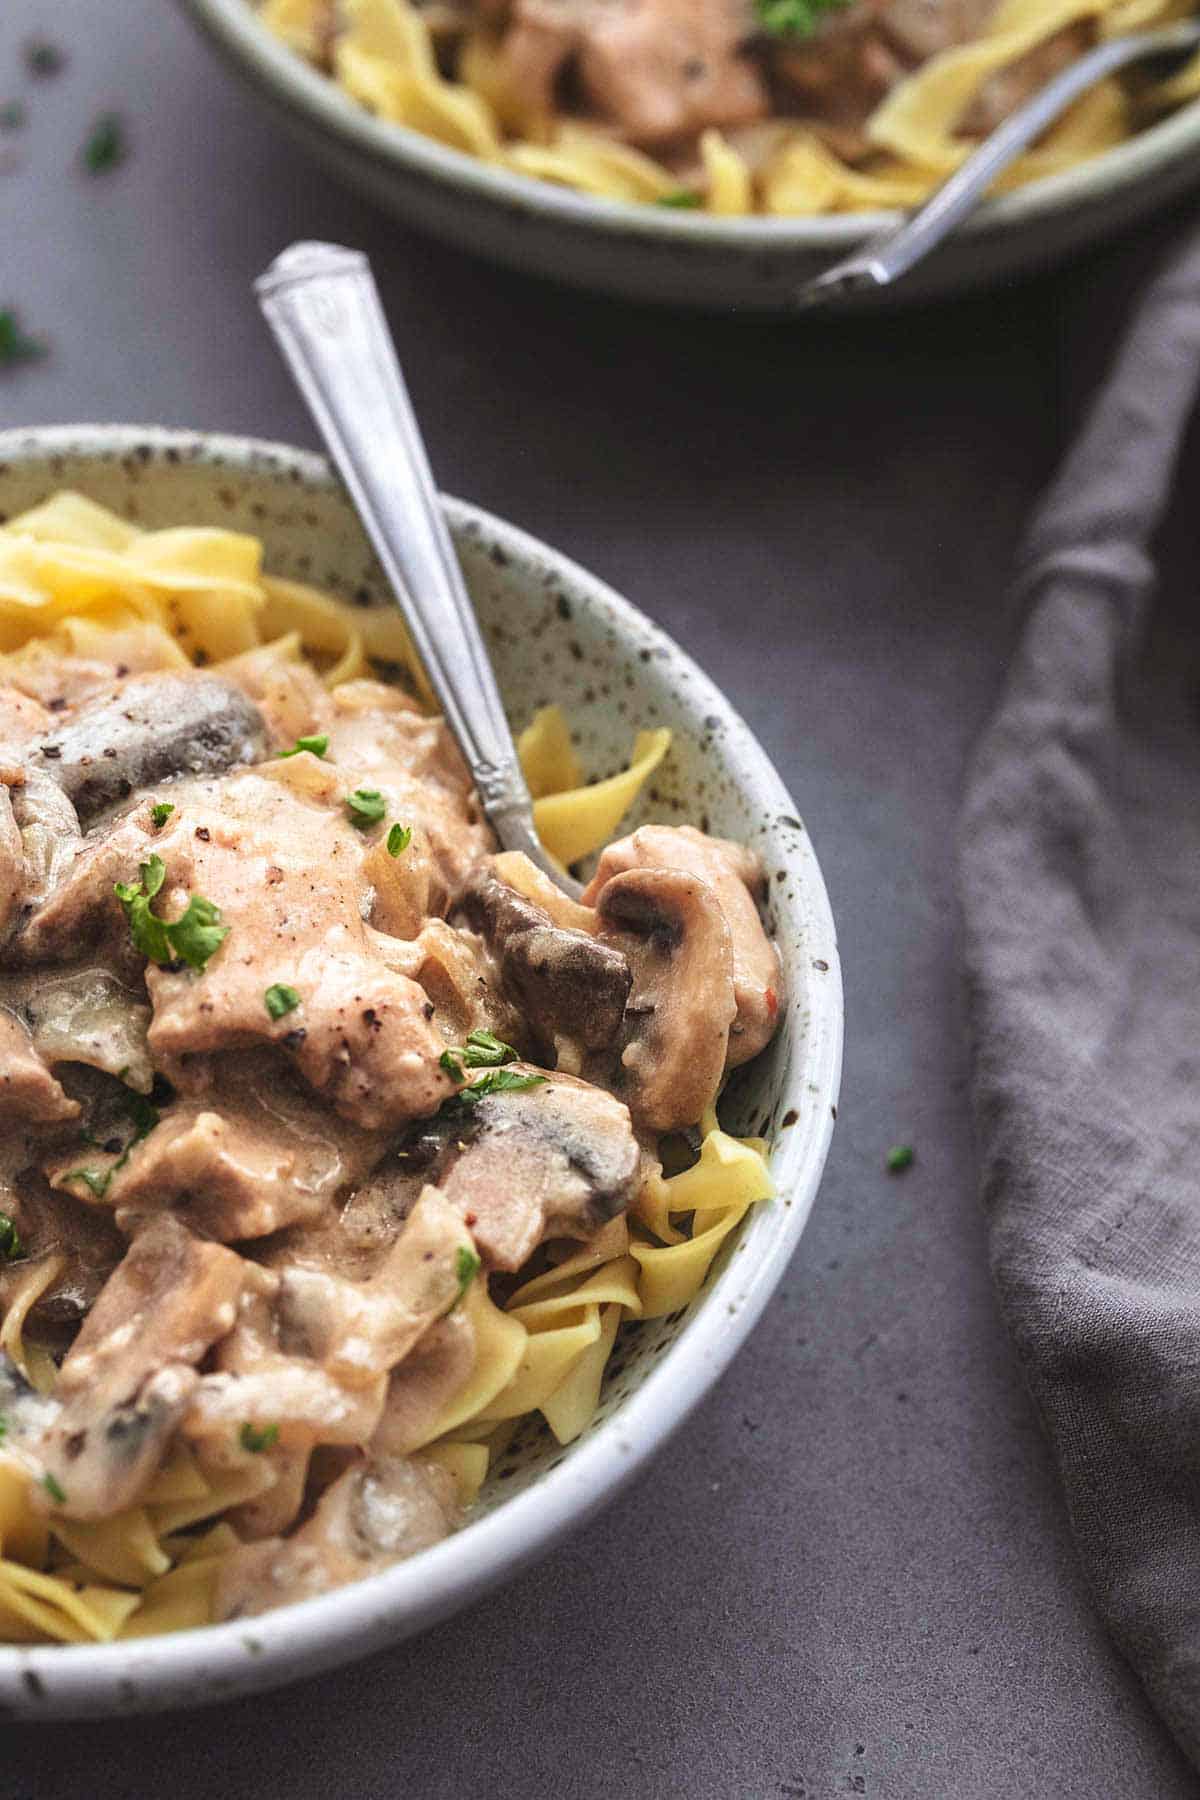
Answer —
851 1573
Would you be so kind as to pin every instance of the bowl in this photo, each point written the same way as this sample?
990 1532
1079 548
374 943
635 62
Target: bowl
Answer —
680 257
553 630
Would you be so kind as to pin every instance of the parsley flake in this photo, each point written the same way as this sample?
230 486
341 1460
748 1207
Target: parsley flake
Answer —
257 1438
192 938
11 1247
3 1428
493 1081
398 839
42 58
144 1116
366 806
15 345
105 146
12 116
317 746
280 999
794 18
681 200
161 812
482 1050
466 1268
54 1487
899 1158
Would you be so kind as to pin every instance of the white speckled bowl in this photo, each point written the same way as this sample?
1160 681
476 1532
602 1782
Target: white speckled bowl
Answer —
555 632
685 258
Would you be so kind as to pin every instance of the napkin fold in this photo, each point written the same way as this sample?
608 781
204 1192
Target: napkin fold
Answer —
1080 879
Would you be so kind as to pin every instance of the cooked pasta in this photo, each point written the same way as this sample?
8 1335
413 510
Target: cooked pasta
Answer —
335 1143
736 106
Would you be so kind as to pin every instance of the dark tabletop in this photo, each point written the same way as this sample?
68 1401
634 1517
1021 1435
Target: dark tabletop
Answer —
851 1572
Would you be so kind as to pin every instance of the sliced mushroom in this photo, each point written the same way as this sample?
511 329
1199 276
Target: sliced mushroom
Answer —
565 983
145 729
672 930
360 1330
127 1380
735 875
555 1160
375 1514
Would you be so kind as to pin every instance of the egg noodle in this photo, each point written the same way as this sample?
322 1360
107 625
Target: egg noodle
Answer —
76 580
383 56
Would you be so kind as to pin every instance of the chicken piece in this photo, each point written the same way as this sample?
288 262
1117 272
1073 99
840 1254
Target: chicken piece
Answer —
378 1513
735 876
145 729
378 733
564 984
274 849
251 1155
261 1381
358 1331
556 1160
654 70
127 1380
676 1033
28 1091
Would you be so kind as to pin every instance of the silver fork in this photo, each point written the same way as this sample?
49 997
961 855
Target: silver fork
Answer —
888 256
322 304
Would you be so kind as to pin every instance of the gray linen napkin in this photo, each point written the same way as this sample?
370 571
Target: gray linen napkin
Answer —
1080 875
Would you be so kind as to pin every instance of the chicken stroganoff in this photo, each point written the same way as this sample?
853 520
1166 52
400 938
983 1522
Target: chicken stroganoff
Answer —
736 106
335 1142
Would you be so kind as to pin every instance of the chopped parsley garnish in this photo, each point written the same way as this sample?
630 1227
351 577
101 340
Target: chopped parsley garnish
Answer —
43 58
105 146
256 1438
144 1116
482 1050
317 745
367 806
11 1247
162 812
899 1158
192 938
493 1081
398 839
15 345
280 999
681 200
794 18
12 115
466 1268
3 1428
54 1487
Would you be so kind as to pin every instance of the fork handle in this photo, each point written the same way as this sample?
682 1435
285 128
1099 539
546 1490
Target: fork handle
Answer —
323 307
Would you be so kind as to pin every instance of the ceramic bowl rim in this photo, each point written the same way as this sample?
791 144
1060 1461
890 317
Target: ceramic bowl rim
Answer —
217 1661
308 93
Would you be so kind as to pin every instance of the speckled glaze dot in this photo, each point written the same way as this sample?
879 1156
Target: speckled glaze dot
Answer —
590 643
